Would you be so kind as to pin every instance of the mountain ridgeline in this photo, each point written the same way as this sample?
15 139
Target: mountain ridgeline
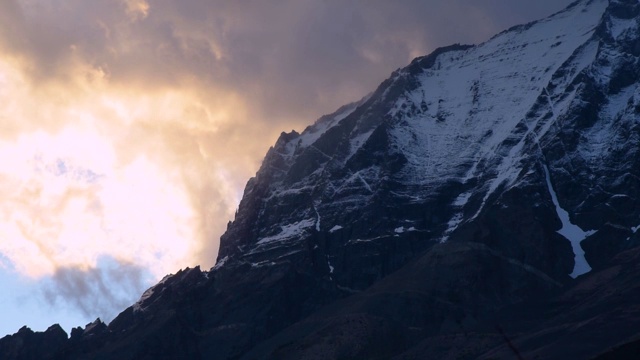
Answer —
482 203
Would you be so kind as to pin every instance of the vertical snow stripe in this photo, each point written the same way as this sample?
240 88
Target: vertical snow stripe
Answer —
570 231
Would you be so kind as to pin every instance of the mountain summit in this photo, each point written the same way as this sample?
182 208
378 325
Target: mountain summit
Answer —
483 202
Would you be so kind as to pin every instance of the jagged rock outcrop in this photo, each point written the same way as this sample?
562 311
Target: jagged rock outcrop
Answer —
29 345
483 202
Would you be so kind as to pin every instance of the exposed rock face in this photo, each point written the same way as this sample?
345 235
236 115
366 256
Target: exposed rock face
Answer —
481 203
29 345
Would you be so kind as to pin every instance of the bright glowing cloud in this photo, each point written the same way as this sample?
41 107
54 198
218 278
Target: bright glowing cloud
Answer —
106 171
92 170
67 202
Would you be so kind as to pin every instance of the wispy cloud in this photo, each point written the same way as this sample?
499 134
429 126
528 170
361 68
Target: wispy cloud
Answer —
102 291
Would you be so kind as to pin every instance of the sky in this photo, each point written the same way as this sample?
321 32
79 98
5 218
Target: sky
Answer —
128 128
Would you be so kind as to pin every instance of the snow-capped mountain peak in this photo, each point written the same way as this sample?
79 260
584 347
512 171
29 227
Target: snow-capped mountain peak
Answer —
453 131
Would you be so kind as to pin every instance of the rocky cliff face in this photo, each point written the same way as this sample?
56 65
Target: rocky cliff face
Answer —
427 154
473 187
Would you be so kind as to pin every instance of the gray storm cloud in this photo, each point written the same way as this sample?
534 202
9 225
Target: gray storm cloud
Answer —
103 291
292 60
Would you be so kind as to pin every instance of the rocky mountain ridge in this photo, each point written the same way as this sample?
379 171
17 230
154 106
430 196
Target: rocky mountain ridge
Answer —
481 203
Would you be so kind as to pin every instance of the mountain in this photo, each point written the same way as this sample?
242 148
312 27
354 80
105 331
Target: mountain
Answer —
482 202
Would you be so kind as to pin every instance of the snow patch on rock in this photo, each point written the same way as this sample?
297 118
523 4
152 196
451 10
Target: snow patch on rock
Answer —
289 231
571 232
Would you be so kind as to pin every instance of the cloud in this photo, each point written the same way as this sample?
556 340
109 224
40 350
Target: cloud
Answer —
102 291
336 51
129 127
155 176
